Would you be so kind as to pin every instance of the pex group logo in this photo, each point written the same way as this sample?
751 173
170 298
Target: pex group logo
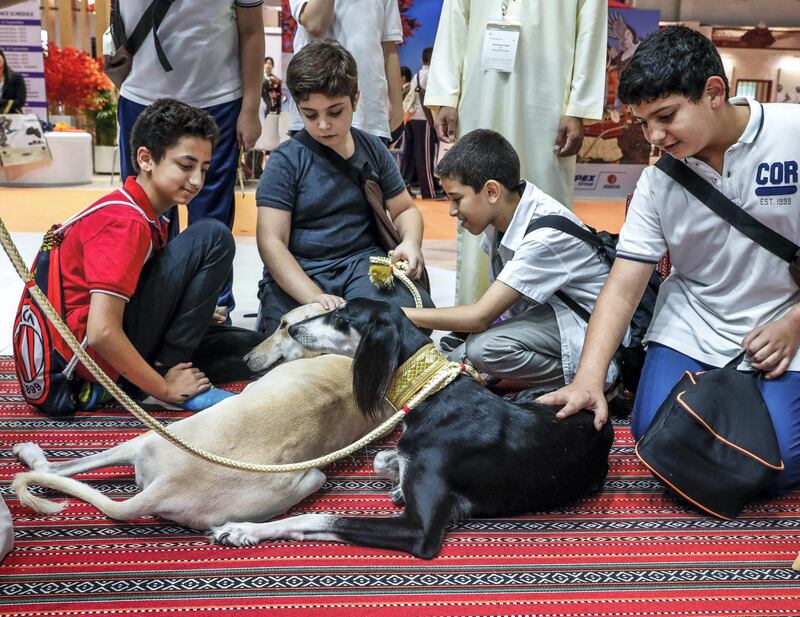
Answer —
585 181
778 178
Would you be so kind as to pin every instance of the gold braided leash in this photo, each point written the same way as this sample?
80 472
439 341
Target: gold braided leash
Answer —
150 422
382 273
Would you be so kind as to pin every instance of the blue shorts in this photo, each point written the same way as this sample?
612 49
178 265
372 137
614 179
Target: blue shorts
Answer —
663 367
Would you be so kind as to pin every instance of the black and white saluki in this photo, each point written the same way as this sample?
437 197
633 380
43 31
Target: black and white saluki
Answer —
465 452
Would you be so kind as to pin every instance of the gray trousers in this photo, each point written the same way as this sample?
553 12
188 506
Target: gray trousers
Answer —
525 348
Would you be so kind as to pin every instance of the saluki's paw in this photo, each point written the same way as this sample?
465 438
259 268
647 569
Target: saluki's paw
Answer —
387 465
31 455
234 534
397 497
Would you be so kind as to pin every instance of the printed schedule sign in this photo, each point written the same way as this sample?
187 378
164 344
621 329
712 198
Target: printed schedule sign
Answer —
21 41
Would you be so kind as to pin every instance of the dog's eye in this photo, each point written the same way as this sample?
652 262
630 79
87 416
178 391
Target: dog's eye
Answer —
283 325
341 324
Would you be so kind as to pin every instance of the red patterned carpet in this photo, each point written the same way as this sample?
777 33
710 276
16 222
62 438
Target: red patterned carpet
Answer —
628 551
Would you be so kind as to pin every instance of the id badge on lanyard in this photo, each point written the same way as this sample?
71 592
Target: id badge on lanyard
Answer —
500 42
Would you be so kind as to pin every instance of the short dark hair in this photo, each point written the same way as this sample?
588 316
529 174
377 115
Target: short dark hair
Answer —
675 60
405 72
322 67
270 59
479 156
164 123
427 53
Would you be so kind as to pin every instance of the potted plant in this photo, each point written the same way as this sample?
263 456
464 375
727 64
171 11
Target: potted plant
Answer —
76 86
103 116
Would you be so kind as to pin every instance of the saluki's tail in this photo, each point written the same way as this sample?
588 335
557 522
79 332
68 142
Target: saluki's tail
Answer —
119 510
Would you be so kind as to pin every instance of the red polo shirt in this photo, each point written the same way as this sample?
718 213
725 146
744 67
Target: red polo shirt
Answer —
104 253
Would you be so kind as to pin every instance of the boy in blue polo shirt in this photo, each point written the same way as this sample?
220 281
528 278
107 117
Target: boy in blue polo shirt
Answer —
726 294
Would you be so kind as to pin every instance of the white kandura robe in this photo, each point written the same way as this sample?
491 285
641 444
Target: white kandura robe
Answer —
559 70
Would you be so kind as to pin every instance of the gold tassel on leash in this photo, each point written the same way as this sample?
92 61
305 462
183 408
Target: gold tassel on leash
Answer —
382 276
382 273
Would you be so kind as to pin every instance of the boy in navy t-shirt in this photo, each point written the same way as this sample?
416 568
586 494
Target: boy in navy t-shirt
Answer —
316 230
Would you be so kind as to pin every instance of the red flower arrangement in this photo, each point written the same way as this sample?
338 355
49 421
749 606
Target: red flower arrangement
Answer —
409 23
73 79
289 25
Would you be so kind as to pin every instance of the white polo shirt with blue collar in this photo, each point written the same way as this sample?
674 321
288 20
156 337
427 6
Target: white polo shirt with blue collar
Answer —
722 285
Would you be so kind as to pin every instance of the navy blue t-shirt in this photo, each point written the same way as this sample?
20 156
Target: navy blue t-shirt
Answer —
331 218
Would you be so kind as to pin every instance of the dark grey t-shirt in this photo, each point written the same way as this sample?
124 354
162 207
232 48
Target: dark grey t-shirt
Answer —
331 219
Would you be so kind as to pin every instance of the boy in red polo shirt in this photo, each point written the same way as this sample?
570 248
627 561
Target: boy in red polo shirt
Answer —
144 307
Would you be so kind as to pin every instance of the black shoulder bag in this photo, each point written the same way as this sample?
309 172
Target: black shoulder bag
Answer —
366 180
712 440
118 65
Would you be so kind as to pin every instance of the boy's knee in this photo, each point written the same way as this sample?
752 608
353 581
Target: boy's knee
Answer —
487 351
214 236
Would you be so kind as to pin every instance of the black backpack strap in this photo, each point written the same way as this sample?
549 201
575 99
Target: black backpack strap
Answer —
574 306
562 223
151 19
356 175
161 8
728 211
117 26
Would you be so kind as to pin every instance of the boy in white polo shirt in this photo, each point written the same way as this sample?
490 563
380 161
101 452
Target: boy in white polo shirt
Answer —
726 294
521 329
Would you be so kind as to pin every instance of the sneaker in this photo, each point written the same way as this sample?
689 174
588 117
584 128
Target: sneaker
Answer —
92 395
199 402
451 341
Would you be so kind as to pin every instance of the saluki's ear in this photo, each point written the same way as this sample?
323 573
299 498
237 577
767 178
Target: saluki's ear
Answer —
374 363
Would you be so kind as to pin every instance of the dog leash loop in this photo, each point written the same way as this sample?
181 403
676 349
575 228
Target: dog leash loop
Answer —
382 273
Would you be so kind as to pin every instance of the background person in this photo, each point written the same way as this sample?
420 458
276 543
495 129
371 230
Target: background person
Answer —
419 139
271 87
370 30
13 92
557 80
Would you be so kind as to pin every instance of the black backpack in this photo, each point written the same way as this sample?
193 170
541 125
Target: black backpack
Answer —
629 358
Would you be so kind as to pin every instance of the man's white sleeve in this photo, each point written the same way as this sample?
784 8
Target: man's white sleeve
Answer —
444 78
587 88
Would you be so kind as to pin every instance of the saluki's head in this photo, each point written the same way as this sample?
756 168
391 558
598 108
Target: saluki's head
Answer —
280 347
377 335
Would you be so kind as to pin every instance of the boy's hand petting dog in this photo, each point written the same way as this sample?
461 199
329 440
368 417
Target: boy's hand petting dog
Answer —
184 381
328 301
771 347
576 397
412 253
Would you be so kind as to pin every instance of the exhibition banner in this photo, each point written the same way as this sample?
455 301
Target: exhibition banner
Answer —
21 41
614 149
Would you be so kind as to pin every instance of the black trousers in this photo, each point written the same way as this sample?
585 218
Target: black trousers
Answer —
169 316
419 152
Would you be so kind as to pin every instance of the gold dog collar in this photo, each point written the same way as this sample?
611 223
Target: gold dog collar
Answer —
414 373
